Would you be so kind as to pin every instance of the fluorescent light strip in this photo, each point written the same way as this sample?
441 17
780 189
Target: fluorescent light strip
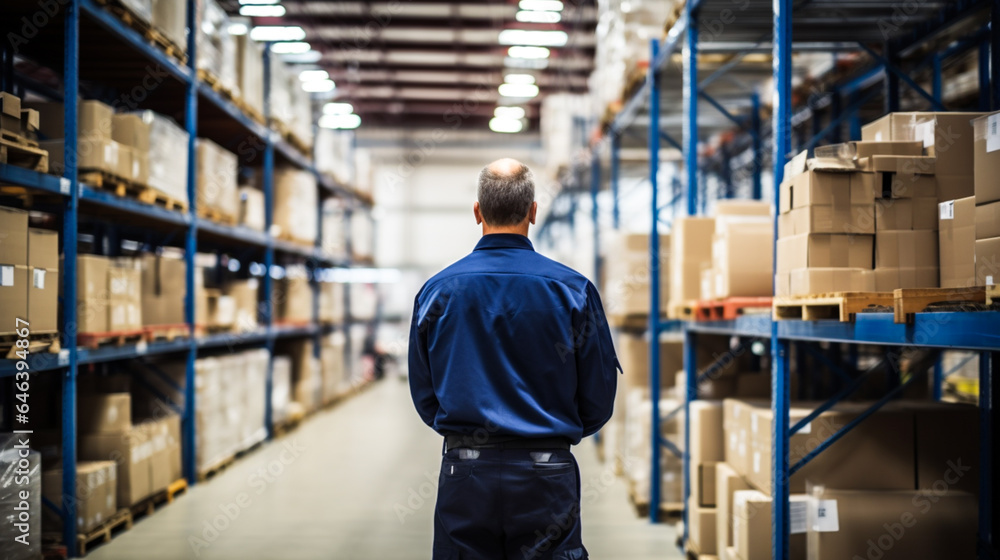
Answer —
533 38
518 90
338 109
541 5
526 16
277 33
519 79
506 126
509 113
530 53
262 10
319 86
294 47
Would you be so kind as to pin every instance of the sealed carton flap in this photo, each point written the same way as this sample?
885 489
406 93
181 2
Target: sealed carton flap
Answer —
831 164
796 165
845 150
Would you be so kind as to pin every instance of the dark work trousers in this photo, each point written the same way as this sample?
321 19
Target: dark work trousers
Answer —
508 504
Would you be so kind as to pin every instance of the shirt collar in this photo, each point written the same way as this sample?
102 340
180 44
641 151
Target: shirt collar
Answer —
504 241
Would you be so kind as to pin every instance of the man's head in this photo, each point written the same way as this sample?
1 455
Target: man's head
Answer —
506 197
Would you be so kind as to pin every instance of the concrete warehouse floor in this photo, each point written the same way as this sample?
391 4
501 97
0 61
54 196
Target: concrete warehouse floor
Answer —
347 485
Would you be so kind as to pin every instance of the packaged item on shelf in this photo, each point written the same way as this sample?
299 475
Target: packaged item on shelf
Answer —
741 265
988 220
817 201
627 270
919 213
338 147
216 180
307 381
751 522
142 9
43 287
130 451
957 242
96 500
124 295
170 19
94 119
331 303
251 213
825 280
986 158
690 251
988 261
335 381
250 71
163 287
94 154
30 121
281 389
824 251
105 413
216 47
92 293
364 301
906 259
10 112
636 450
362 235
292 297
727 483
244 295
14 268
18 474
633 356
701 528
334 228
295 200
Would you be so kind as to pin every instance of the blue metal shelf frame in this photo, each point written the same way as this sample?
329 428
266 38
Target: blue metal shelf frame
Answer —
68 360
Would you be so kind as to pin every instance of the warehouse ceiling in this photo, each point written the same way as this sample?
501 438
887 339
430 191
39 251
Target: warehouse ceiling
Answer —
434 64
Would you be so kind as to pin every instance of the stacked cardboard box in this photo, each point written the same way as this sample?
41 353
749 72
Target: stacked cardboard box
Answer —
163 288
170 18
705 454
334 228
244 295
292 297
159 148
295 200
216 47
690 252
364 301
987 194
21 474
335 381
250 71
306 379
109 294
741 257
43 271
124 295
331 303
10 113
96 486
636 458
281 389
29 274
628 269
216 181
251 212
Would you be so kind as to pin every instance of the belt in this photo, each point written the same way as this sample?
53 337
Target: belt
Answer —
468 442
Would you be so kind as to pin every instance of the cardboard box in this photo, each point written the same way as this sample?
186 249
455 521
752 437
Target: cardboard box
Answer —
94 120
124 299
251 213
96 483
896 185
947 438
987 220
10 112
92 293
897 278
131 451
43 288
852 524
742 260
752 526
690 251
292 298
949 138
93 154
707 283
825 251
906 249
988 261
701 528
43 248
163 286
163 436
903 165
295 202
633 356
29 123
986 159
703 483
906 214
727 483
131 130
170 18
957 242
806 281
706 432
628 273
244 295
891 127
855 219
216 179
13 296
110 413
13 236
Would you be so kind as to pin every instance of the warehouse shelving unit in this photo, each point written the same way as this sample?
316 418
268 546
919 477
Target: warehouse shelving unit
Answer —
87 28
768 27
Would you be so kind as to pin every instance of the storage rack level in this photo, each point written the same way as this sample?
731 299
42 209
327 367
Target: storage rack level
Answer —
744 35
82 27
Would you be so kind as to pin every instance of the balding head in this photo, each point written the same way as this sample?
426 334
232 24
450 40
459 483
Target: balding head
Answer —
506 191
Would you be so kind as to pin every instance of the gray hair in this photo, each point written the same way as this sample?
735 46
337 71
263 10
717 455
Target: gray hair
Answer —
506 191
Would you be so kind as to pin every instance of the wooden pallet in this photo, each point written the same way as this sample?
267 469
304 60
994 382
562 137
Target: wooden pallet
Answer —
216 215
38 342
168 333
121 521
841 306
172 49
216 84
683 311
249 110
730 308
19 151
144 28
215 469
992 295
147 506
123 188
114 338
908 302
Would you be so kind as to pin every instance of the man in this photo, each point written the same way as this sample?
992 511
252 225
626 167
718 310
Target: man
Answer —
511 361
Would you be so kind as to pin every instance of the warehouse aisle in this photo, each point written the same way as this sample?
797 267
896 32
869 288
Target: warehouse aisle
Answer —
353 484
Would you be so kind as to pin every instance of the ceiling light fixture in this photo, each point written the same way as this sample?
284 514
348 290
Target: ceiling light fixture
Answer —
338 109
518 90
278 33
528 52
313 75
310 57
531 16
525 63
319 86
238 28
262 10
533 38
294 47
506 126
258 2
519 79
509 112
541 5
340 122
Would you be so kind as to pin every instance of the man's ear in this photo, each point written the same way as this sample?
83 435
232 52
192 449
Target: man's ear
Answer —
479 215
532 212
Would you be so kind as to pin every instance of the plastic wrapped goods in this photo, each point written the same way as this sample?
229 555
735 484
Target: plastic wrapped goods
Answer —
20 474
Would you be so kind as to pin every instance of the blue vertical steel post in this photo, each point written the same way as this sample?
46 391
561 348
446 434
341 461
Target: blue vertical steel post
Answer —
190 249
937 378
690 394
690 128
72 86
654 284
986 443
782 123
267 173
615 149
936 78
758 145
995 53
891 80
595 187
984 76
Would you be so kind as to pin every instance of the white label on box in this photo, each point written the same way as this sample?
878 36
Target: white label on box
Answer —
925 132
141 347
946 210
6 276
878 136
798 511
753 423
63 357
989 280
756 461
64 185
38 278
823 516
993 133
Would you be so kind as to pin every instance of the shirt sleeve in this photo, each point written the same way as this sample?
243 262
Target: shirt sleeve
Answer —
596 364
421 384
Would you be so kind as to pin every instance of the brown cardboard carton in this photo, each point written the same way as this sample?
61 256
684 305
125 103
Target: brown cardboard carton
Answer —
628 274
706 432
986 160
727 482
951 187
988 261
806 281
947 445
949 138
906 249
124 300
703 483
957 242
96 483
633 356
162 289
92 294
901 524
94 120
892 127
701 528
130 450
93 154
742 261
10 112
825 250
217 179
251 208
988 220
888 279
293 299
43 248
690 251
906 213
110 413
43 288
245 302
163 435
170 18
904 165
897 185
855 219
13 297
131 130
29 123
13 236
752 526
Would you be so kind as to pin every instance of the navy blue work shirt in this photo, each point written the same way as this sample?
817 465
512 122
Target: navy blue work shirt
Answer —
508 341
